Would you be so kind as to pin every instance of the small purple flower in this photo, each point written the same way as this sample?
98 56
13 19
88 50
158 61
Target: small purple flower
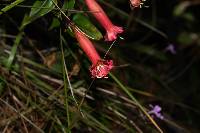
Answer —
171 49
156 111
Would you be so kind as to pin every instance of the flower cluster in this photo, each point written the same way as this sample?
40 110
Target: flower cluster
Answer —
136 3
100 67
111 30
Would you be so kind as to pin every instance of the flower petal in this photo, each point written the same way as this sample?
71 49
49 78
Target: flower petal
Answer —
101 69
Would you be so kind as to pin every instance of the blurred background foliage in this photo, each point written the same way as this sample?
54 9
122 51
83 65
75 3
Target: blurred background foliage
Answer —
156 63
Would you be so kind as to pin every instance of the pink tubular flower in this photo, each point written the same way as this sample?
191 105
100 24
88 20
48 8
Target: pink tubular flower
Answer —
100 68
103 19
136 3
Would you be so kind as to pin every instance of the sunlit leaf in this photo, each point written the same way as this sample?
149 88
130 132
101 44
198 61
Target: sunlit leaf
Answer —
86 26
43 7
10 6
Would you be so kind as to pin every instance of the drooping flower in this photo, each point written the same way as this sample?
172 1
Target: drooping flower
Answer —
100 68
111 30
136 3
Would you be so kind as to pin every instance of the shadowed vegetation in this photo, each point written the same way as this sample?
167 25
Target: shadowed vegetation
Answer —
46 85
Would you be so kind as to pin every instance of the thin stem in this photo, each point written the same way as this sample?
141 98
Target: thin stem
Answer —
65 87
24 117
136 101
109 49
69 10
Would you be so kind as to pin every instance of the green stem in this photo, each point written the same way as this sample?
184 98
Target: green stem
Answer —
65 85
136 101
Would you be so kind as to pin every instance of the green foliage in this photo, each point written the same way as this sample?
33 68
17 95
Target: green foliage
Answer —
39 9
55 24
12 54
84 24
45 84
10 6
68 4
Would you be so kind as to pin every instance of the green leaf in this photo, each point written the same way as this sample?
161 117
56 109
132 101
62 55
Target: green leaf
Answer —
189 17
14 51
8 7
86 26
180 9
68 4
43 7
185 38
54 24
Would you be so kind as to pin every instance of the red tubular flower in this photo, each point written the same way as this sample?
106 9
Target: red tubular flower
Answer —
103 19
100 68
136 3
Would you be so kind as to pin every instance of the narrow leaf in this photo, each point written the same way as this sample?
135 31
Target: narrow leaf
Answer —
84 24
8 7
44 7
